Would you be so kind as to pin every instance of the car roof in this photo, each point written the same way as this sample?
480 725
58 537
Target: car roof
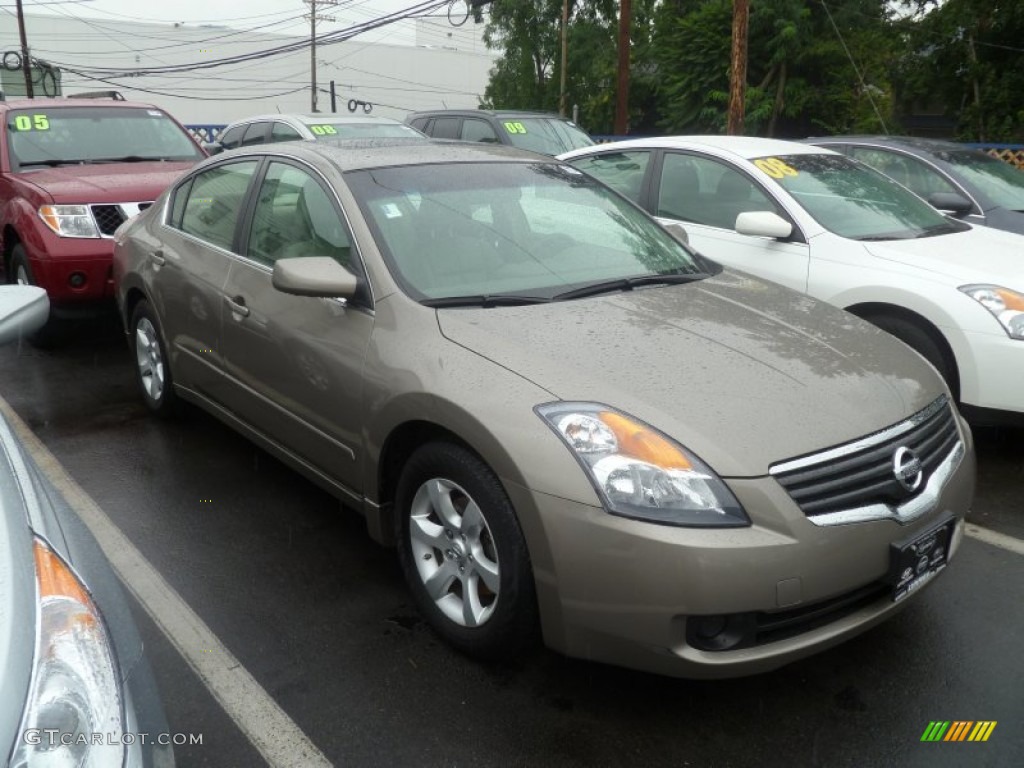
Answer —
487 112
358 154
319 118
746 147
906 142
66 102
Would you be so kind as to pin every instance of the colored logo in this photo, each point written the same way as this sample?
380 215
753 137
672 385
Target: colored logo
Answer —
958 730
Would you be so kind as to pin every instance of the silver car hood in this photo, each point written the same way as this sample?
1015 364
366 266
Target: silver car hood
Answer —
741 371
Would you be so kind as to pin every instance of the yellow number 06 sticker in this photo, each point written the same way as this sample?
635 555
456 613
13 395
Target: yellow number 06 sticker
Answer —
775 167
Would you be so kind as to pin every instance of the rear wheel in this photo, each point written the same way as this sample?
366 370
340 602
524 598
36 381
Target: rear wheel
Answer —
152 370
924 343
463 554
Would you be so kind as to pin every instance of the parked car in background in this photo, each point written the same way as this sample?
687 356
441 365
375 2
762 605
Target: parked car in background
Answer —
270 129
560 413
818 222
536 131
958 180
78 690
71 172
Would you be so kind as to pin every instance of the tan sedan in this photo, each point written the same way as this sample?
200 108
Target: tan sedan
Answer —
565 419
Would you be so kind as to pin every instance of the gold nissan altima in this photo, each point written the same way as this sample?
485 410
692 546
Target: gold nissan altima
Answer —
570 425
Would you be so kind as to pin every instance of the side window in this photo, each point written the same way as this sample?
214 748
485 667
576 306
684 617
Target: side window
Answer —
232 137
474 129
445 127
214 202
705 191
622 171
294 216
420 124
256 133
283 132
178 204
908 171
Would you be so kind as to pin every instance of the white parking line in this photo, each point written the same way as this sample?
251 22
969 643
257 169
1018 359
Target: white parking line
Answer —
1000 540
265 724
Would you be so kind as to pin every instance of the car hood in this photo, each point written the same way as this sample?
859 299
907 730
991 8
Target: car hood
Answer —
741 371
978 255
107 183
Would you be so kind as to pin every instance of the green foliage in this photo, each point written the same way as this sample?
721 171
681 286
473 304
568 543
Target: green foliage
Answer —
814 66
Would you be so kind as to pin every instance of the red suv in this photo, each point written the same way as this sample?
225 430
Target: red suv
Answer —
71 171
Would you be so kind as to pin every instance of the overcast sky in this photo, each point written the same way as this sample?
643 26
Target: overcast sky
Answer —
271 16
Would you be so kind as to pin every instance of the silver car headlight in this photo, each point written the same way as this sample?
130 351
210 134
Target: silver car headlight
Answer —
69 220
1005 305
641 473
73 716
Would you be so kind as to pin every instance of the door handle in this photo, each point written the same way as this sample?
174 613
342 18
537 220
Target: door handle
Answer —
237 306
158 257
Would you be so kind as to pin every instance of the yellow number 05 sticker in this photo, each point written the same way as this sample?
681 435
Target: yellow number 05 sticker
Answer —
35 122
775 167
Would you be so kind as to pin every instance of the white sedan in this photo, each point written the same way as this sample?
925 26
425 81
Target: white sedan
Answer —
819 222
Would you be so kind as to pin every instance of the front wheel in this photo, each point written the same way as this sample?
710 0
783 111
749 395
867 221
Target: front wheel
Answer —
152 370
463 554
924 343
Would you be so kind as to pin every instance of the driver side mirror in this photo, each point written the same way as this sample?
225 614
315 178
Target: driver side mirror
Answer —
23 310
213 147
763 224
313 276
951 203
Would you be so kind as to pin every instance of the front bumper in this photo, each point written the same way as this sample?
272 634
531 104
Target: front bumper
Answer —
75 272
993 377
622 592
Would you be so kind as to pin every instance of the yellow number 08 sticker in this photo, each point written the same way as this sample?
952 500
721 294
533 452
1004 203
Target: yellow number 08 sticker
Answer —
515 127
775 167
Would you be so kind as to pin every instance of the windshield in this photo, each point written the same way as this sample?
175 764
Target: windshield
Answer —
510 229
328 131
855 201
999 180
546 135
71 135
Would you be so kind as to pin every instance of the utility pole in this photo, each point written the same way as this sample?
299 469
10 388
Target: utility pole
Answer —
565 55
622 92
314 17
26 64
738 70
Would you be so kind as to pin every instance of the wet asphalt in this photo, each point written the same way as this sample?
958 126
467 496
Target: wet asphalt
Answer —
319 615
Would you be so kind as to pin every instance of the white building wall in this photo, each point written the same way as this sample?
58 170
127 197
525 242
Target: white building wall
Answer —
441 70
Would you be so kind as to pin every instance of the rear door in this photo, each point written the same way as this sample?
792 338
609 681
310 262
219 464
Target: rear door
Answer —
295 363
190 264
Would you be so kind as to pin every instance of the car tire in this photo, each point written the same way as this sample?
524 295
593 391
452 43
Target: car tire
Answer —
152 366
463 554
20 273
921 341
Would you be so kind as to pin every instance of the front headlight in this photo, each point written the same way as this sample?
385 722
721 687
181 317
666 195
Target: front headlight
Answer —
1005 305
641 473
69 220
73 715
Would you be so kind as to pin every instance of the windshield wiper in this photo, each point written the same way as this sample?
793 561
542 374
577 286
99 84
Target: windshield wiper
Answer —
52 163
128 159
627 284
484 300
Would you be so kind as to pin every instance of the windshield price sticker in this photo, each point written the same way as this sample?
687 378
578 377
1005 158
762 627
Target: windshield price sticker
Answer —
515 127
323 130
775 167
31 123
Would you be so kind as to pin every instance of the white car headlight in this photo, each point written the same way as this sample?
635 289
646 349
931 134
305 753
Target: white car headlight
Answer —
641 473
1005 305
69 220
75 690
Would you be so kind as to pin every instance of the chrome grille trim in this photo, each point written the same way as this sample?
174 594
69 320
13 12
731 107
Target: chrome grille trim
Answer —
857 481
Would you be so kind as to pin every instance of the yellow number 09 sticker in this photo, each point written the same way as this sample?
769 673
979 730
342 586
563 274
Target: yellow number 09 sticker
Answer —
775 167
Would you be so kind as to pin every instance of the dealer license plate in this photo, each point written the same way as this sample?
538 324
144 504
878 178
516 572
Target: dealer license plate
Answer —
917 563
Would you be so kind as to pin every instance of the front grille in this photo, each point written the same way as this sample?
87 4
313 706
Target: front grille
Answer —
108 218
861 473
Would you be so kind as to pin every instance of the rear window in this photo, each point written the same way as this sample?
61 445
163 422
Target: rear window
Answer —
75 135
